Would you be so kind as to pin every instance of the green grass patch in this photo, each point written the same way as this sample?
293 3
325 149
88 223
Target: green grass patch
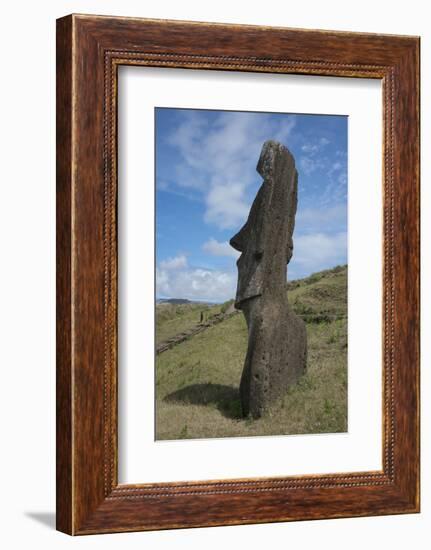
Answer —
197 381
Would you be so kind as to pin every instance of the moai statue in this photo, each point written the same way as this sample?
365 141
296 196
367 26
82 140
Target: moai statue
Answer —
277 341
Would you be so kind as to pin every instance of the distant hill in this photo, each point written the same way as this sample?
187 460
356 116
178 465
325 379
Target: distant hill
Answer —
179 301
197 380
173 301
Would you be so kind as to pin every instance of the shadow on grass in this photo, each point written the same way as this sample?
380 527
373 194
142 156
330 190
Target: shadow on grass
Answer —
225 398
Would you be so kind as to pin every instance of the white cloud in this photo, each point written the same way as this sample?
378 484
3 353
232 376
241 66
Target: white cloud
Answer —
318 251
217 248
226 205
333 175
196 284
176 279
220 160
308 148
315 147
179 262
310 164
336 189
310 161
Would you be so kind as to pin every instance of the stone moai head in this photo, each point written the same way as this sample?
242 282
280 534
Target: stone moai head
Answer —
265 240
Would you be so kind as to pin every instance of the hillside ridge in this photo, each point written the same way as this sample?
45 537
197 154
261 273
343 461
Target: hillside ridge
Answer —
315 299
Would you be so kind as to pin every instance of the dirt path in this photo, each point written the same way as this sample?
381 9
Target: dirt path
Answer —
187 334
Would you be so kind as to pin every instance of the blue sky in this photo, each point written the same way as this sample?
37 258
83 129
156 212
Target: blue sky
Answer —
206 180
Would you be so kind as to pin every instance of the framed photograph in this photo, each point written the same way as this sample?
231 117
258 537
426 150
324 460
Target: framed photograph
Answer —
237 274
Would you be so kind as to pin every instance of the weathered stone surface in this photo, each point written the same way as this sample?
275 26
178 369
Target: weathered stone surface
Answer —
277 341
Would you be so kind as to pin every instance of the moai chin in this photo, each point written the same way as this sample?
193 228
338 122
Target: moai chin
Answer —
277 341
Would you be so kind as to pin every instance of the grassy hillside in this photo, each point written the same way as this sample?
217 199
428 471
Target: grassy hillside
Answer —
197 381
171 319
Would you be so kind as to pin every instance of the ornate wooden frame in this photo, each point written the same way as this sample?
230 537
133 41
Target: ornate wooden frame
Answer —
89 51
